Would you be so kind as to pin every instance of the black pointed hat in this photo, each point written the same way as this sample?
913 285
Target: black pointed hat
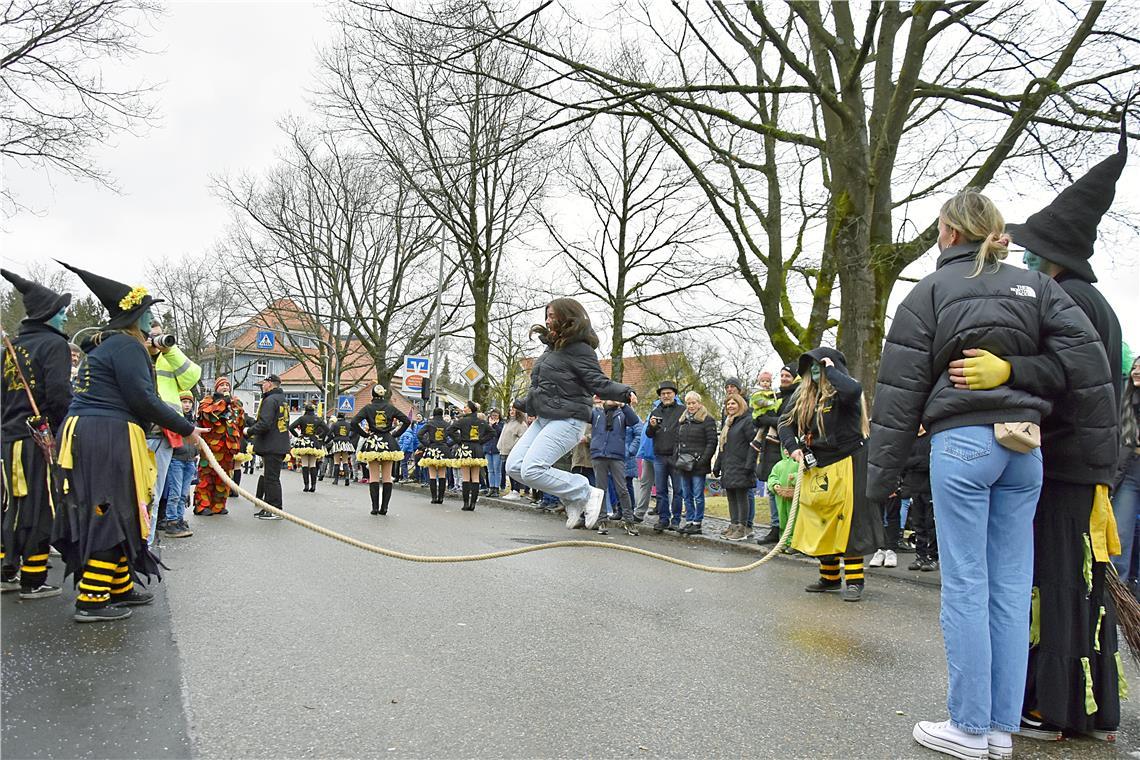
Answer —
1064 231
124 303
40 303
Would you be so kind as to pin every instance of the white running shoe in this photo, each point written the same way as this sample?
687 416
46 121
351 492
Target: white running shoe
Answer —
594 507
877 560
573 512
890 559
950 740
511 496
1001 745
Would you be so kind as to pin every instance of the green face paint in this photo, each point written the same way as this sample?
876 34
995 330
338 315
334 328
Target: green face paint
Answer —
816 370
1032 261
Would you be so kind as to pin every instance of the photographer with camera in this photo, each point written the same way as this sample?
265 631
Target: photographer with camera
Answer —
174 373
825 426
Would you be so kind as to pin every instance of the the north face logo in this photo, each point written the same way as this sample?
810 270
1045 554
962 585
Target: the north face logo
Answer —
1023 290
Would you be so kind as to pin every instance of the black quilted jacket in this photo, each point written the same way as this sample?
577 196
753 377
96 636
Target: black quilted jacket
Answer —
1009 312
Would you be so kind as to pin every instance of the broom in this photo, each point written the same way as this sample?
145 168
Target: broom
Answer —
1127 611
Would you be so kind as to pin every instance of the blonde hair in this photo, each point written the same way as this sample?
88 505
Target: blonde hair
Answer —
977 219
741 405
701 413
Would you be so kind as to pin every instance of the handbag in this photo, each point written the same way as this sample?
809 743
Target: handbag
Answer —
687 461
1021 437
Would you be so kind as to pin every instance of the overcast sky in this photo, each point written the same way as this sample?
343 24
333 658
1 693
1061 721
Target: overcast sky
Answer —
230 72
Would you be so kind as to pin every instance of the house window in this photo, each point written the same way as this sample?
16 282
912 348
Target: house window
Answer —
261 369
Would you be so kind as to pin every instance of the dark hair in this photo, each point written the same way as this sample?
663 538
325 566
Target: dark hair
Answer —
473 406
571 324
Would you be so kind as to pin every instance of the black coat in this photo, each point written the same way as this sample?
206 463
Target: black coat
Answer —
117 380
664 433
1063 433
471 430
842 429
270 432
916 474
434 433
770 450
736 463
45 360
1009 312
340 430
698 438
563 383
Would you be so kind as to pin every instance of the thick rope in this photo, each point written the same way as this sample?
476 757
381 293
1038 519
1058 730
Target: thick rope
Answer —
442 559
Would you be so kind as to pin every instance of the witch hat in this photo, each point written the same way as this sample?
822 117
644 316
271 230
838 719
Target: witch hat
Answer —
124 303
40 303
1064 231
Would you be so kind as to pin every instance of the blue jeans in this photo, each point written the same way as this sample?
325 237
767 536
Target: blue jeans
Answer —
163 454
985 497
494 470
179 476
693 494
667 479
1125 504
532 459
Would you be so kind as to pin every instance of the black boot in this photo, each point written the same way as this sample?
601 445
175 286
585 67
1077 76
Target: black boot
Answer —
442 485
336 474
470 491
347 474
313 479
386 489
321 470
434 490
305 479
474 496
374 493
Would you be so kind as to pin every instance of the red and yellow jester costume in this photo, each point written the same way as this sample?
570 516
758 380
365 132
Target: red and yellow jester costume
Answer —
225 419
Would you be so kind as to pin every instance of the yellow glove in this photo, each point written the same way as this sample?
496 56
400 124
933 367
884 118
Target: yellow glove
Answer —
980 370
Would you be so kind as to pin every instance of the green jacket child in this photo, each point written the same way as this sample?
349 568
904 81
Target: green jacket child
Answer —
782 486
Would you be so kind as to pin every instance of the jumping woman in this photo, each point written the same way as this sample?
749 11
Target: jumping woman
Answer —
470 433
562 385
378 447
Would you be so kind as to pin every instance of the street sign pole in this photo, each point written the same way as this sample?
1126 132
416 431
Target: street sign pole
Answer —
438 317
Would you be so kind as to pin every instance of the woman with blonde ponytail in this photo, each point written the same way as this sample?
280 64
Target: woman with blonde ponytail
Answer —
985 480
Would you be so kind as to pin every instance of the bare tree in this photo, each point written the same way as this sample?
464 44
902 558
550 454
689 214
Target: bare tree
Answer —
449 137
843 122
199 303
55 104
350 251
644 252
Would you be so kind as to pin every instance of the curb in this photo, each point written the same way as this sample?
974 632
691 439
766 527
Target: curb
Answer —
749 548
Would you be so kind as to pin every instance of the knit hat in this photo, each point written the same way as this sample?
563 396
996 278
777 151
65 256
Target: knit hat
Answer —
222 379
1064 231
790 369
734 381
667 385
186 395
40 303
124 303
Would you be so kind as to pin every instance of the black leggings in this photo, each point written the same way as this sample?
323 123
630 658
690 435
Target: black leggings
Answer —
737 505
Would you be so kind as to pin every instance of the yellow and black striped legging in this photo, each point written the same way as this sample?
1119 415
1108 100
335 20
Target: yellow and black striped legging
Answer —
105 578
33 571
852 569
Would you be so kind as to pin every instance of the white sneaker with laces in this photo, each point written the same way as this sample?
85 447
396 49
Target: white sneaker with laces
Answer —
594 507
877 560
950 740
890 559
511 496
573 512
1001 745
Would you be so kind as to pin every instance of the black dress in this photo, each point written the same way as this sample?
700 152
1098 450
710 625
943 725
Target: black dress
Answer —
375 425
309 432
469 433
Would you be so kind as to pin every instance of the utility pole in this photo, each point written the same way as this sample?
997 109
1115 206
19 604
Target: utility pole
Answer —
438 319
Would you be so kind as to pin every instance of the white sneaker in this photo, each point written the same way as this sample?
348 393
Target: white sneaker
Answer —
890 559
950 740
594 507
877 560
1001 745
511 496
573 512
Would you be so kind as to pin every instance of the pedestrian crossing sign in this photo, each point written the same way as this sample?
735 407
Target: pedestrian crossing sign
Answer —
345 404
266 339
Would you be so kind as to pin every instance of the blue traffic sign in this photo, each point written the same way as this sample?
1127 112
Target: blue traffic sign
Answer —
417 365
345 404
266 339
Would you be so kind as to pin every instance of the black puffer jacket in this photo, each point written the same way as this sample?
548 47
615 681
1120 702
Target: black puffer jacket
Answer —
736 463
1009 312
564 381
697 437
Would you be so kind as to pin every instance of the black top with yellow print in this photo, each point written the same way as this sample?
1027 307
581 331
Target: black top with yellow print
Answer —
380 417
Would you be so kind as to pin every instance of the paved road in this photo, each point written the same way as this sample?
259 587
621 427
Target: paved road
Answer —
289 645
